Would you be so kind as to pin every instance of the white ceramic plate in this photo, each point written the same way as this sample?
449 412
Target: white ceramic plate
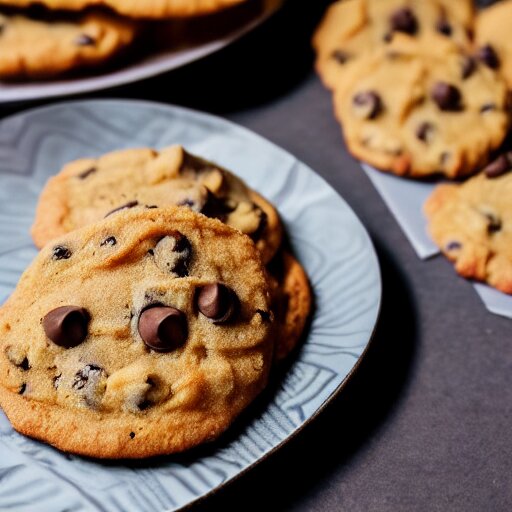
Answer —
325 234
152 65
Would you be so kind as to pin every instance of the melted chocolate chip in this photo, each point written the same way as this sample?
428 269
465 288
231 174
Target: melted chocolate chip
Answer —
367 104
22 389
216 302
85 174
403 20
340 56
446 96
56 380
132 434
89 384
488 56
85 40
173 254
493 223
500 166
468 67
453 245
111 240
130 204
61 253
66 326
265 315
24 365
216 207
444 27
163 328
425 131
262 225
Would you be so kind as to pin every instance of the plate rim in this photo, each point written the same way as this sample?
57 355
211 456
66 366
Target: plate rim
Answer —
135 73
231 124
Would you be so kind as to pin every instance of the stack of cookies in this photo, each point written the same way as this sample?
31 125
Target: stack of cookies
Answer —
422 89
45 38
155 310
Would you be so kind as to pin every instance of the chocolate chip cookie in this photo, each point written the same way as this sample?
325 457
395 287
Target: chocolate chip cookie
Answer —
146 333
291 302
45 46
492 36
137 9
353 28
88 190
416 114
470 223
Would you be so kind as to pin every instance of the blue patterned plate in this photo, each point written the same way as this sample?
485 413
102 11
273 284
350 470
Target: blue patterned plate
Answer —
326 236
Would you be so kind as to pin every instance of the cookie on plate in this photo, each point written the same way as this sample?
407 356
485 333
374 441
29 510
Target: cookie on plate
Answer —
353 28
291 301
492 36
32 46
136 8
87 190
416 114
146 333
470 222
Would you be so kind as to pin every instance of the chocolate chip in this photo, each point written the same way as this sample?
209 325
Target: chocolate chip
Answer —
87 173
89 383
488 56
340 56
111 240
151 206
130 204
132 434
403 20
500 166
425 132
262 225
24 365
61 253
367 104
216 207
493 223
446 96
173 254
186 202
453 245
468 67
22 389
56 380
488 107
66 326
85 40
443 27
265 315
163 328
216 302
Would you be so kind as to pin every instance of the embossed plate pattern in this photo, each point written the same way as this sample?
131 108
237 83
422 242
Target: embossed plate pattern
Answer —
326 236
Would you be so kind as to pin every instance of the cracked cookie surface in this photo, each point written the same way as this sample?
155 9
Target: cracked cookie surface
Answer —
146 333
471 223
87 190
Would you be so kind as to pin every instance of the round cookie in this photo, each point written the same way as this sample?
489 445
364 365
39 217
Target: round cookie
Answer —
404 111
291 302
144 334
89 189
353 28
470 222
136 8
492 35
50 45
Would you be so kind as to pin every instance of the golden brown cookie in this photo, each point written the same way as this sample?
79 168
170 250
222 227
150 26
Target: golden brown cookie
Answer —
404 111
353 28
146 333
292 302
89 189
46 46
136 8
493 38
470 222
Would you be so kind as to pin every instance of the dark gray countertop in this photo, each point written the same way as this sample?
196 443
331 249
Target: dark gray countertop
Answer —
425 423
